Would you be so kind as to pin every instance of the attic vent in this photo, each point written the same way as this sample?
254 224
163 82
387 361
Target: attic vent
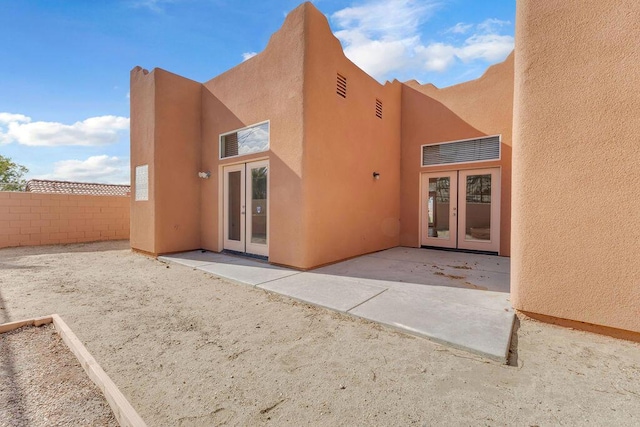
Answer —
468 150
378 108
341 86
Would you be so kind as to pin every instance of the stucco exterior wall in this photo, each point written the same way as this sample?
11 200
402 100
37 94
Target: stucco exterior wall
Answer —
32 219
486 104
177 157
324 203
265 87
165 135
576 210
424 121
142 151
349 212
430 115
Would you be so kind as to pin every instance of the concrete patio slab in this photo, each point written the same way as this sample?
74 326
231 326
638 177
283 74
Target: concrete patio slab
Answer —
455 298
441 257
458 322
197 258
324 290
425 272
250 273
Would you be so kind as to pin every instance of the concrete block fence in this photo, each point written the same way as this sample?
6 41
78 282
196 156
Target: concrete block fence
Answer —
31 219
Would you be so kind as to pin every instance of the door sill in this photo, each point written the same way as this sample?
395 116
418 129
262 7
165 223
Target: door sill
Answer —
465 251
245 255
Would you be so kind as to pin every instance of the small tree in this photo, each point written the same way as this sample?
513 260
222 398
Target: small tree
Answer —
11 175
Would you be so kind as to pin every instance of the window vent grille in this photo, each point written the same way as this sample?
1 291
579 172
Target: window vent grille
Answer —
230 146
341 86
378 108
470 150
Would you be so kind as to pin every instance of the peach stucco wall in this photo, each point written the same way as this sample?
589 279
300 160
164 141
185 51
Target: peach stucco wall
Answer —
348 212
324 204
31 219
265 87
576 210
165 134
430 115
142 151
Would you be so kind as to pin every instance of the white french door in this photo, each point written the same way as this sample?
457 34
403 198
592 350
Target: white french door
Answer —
245 207
461 209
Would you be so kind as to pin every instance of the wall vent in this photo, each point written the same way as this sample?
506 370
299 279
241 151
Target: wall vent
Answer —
341 86
378 108
465 151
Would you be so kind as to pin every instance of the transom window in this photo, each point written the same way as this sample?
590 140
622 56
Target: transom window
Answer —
464 151
249 140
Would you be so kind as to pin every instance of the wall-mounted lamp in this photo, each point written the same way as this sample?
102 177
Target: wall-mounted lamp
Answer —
376 175
204 175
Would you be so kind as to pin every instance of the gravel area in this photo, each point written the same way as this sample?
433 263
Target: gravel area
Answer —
42 383
190 349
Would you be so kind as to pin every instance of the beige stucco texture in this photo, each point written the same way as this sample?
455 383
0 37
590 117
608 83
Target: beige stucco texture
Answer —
430 115
349 212
268 86
576 161
324 203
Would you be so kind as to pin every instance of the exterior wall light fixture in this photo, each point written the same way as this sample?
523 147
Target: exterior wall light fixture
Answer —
376 175
204 175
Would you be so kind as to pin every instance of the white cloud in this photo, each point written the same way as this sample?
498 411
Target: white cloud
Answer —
100 169
6 118
459 28
437 56
248 55
489 47
128 95
385 37
492 25
93 131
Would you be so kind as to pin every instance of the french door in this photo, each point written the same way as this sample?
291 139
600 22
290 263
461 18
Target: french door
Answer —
245 207
461 209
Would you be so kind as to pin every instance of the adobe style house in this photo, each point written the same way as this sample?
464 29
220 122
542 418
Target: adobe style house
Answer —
298 156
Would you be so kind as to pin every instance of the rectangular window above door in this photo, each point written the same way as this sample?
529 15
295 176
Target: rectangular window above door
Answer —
249 140
464 151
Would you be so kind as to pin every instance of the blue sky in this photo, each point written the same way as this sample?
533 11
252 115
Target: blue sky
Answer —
64 65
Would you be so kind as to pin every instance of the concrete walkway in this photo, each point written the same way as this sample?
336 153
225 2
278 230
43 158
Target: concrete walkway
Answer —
454 298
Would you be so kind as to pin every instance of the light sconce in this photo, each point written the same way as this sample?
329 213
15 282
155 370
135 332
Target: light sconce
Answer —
376 175
204 175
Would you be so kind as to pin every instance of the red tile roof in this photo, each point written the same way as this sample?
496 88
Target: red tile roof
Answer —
67 187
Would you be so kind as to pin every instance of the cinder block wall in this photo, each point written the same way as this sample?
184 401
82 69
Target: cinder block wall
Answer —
31 219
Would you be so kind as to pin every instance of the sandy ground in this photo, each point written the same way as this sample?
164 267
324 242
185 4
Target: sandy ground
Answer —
43 384
187 348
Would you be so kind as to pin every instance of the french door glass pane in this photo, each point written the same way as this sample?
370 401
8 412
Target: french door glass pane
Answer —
235 180
259 205
438 206
478 208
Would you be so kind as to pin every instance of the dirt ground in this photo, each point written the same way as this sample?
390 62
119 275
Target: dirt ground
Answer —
187 348
43 384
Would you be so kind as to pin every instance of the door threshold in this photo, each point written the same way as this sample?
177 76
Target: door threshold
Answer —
464 251
245 255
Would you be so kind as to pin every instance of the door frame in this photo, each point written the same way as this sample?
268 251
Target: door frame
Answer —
255 248
493 245
222 195
234 245
425 239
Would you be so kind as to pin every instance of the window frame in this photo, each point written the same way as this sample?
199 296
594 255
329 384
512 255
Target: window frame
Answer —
220 151
498 159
